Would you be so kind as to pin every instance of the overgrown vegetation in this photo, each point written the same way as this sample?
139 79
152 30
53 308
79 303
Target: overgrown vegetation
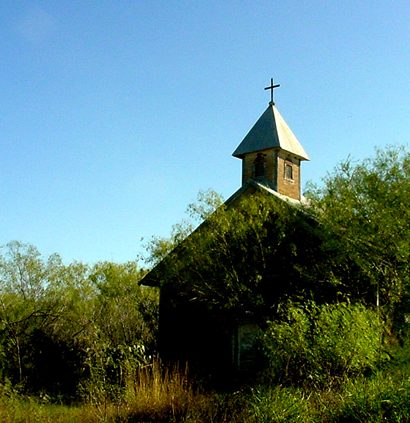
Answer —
349 244
78 342
247 257
310 344
66 326
153 395
364 212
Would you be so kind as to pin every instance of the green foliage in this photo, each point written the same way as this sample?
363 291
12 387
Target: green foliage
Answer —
311 344
349 244
247 256
125 312
278 405
156 394
29 304
65 324
364 210
108 367
379 399
347 338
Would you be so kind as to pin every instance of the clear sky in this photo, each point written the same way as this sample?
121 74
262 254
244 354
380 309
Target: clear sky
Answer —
115 113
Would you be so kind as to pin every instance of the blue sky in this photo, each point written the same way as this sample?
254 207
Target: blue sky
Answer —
114 114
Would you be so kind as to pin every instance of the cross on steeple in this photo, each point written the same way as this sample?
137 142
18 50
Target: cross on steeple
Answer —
271 88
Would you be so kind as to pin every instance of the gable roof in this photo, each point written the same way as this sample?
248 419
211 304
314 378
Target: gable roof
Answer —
152 278
252 185
270 131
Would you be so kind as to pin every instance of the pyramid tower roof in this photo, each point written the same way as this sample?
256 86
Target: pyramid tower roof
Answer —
270 131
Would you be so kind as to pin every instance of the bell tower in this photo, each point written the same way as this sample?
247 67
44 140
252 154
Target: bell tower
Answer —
271 154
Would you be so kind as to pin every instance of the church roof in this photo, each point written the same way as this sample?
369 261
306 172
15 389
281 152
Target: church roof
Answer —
153 277
252 186
270 131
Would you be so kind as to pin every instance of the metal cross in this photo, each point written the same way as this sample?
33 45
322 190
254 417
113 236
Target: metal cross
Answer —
271 88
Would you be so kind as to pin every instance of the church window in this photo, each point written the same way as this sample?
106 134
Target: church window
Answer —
288 171
259 166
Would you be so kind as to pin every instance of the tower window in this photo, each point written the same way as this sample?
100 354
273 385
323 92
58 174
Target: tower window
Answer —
259 166
288 171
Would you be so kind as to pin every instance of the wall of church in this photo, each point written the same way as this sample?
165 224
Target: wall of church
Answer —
281 171
289 176
248 167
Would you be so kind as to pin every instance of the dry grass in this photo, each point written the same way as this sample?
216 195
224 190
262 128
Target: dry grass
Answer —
152 394
158 394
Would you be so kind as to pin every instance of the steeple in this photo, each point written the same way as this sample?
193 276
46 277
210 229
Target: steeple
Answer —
271 153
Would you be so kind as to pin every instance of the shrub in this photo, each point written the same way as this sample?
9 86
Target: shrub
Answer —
311 343
286 345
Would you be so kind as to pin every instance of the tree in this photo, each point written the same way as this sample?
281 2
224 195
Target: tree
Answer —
37 297
364 209
125 311
124 327
60 323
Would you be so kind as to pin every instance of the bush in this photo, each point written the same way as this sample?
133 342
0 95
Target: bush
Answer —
311 343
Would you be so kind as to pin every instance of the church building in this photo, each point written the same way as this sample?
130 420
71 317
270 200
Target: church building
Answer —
219 342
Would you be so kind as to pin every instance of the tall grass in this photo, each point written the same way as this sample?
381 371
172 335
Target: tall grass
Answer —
159 394
152 394
155 393
16 408
278 404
